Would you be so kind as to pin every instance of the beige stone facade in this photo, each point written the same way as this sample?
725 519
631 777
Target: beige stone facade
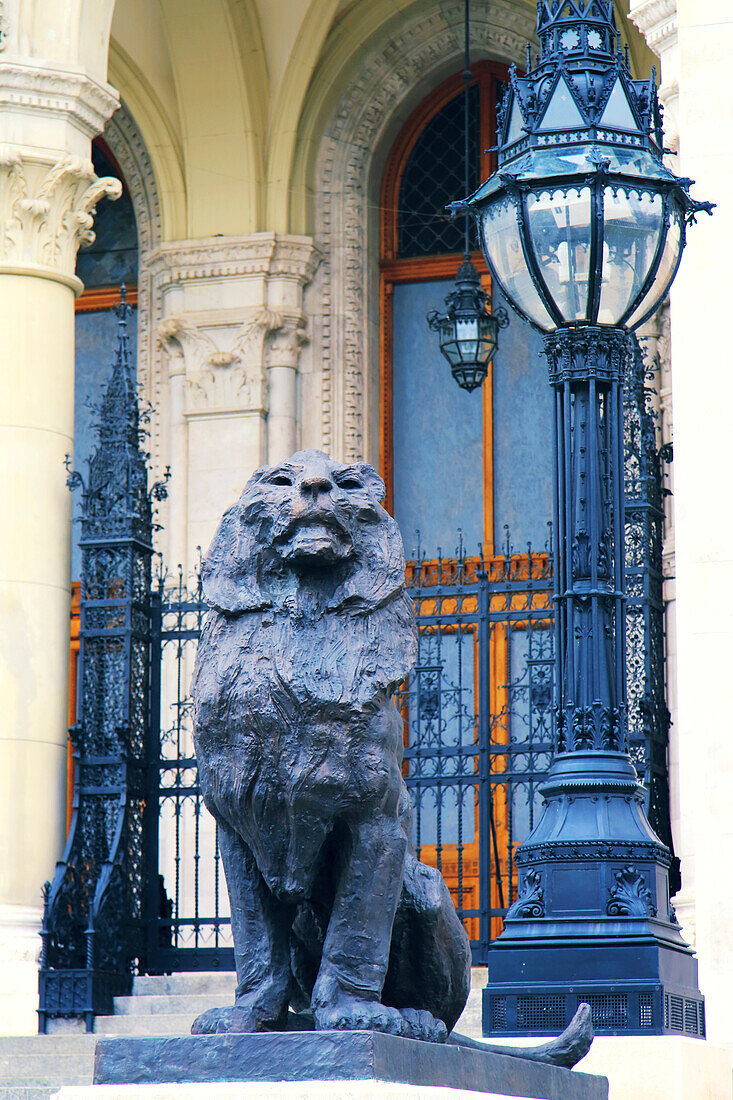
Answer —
253 136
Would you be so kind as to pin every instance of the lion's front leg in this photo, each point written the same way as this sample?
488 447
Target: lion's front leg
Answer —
356 952
261 931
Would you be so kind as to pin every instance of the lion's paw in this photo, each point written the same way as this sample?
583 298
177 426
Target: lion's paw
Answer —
217 1021
351 1014
421 1024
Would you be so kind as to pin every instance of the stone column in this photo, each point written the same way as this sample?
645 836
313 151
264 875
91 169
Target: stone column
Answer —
698 48
48 194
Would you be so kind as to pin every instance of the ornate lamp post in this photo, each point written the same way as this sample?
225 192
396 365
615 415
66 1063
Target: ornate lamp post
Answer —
583 227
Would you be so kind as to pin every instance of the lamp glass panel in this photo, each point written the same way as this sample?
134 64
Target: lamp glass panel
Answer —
632 226
467 329
665 272
559 225
499 224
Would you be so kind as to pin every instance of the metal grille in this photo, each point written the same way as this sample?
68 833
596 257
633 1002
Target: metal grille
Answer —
646 1009
432 178
608 1010
498 1014
691 1027
477 714
541 1013
676 1008
95 918
193 929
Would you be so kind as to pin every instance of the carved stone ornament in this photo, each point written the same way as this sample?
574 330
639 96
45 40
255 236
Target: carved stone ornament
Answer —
630 897
84 102
531 900
284 343
221 359
46 211
657 21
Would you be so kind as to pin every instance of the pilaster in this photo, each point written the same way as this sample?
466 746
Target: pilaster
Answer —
230 337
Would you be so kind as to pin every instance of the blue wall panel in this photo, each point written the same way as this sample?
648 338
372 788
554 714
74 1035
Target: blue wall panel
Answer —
438 432
523 414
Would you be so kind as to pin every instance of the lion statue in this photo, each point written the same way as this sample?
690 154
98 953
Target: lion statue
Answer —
299 745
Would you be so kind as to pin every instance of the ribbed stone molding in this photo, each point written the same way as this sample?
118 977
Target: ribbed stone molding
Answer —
46 213
71 99
657 21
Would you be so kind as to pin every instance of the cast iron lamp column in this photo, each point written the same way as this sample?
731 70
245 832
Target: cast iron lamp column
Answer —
583 228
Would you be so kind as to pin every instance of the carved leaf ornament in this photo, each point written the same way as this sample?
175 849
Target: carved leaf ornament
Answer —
46 213
630 897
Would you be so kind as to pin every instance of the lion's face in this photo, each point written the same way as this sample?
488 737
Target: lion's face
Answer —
309 517
314 507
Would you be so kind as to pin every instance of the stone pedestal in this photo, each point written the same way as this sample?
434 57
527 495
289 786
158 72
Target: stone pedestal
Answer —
364 1060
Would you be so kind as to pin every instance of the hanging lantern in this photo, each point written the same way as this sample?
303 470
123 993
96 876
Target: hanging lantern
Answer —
468 332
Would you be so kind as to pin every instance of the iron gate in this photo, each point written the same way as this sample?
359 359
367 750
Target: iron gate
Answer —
478 738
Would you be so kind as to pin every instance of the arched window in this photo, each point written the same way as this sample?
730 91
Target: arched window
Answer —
493 443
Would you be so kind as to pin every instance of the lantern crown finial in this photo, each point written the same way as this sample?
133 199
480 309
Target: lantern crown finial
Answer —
577 27
570 11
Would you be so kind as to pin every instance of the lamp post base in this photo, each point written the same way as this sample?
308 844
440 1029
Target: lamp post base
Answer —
592 921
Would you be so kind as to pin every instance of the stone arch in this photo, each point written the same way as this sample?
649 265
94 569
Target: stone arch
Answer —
394 71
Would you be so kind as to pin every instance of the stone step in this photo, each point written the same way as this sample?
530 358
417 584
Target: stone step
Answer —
45 1067
47 1044
171 1004
185 982
54 1079
27 1092
145 1024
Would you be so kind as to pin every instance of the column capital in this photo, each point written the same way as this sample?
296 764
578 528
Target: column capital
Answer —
283 345
219 353
46 212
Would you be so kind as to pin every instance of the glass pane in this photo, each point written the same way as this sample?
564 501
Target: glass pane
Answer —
632 227
501 242
433 177
665 271
559 225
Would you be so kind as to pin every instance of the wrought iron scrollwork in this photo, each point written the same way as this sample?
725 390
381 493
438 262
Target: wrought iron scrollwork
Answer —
94 910
648 716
